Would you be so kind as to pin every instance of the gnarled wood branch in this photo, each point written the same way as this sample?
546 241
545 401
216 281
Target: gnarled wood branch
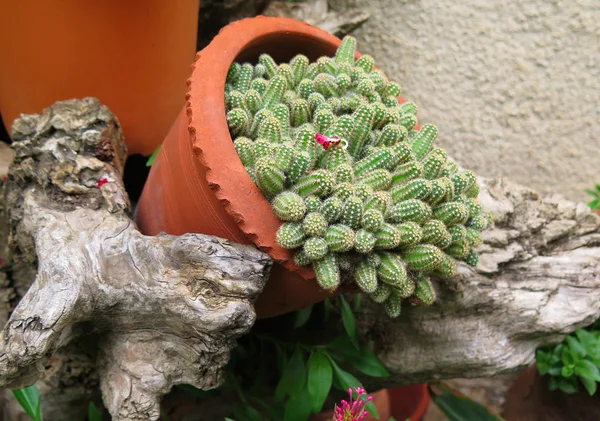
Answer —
164 310
538 279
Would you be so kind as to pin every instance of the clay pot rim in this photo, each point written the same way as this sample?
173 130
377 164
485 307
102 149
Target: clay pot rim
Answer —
261 231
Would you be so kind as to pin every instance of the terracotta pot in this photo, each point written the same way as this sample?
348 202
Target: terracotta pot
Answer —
198 184
409 402
402 403
529 399
134 56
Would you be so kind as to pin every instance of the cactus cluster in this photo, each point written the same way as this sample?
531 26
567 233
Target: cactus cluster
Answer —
380 202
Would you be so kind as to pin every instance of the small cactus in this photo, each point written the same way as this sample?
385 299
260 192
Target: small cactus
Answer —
358 186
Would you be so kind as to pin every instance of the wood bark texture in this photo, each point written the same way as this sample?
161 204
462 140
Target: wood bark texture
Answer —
320 13
538 279
159 310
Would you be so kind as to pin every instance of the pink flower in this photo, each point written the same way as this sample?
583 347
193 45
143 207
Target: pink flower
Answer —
353 410
102 182
327 141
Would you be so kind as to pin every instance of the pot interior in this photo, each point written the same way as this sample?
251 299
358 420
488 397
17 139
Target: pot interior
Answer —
283 46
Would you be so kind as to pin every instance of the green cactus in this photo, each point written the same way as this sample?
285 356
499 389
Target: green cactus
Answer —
245 150
269 177
387 237
406 172
379 179
365 276
340 238
328 272
288 206
383 204
392 270
435 232
376 160
381 293
364 241
393 306
424 292
299 65
319 183
313 204
418 188
422 257
238 121
332 208
410 210
352 212
315 248
314 224
372 220
290 235
423 140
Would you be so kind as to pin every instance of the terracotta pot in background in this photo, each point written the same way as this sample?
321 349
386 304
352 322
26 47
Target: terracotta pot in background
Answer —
529 399
402 403
197 182
135 56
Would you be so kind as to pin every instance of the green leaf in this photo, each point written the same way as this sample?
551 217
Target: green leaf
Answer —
29 398
590 385
297 408
567 370
348 381
94 413
587 369
363 359
349 321
153 156
302 317
461 408
357 301
253 414
320 376
542 367
293 377
326 309
554 371
567 356
541 356
576 349
589 342
568 385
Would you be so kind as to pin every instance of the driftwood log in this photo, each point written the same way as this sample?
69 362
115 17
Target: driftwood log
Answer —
159 310
151 312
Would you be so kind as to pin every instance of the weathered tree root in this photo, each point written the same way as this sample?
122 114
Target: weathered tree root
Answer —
166 309
538 278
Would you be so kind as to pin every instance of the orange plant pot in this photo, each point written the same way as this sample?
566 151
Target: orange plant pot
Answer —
134 56
197 182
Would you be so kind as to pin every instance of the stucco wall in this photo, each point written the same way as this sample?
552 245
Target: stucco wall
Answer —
514 86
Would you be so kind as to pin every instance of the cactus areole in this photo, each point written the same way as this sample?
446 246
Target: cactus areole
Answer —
362 192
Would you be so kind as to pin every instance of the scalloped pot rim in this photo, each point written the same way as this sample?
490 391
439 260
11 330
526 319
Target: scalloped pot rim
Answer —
198 183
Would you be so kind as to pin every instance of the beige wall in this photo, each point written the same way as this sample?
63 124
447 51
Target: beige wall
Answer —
514 86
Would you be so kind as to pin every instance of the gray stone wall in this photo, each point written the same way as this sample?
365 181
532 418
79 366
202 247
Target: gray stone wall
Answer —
514 86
